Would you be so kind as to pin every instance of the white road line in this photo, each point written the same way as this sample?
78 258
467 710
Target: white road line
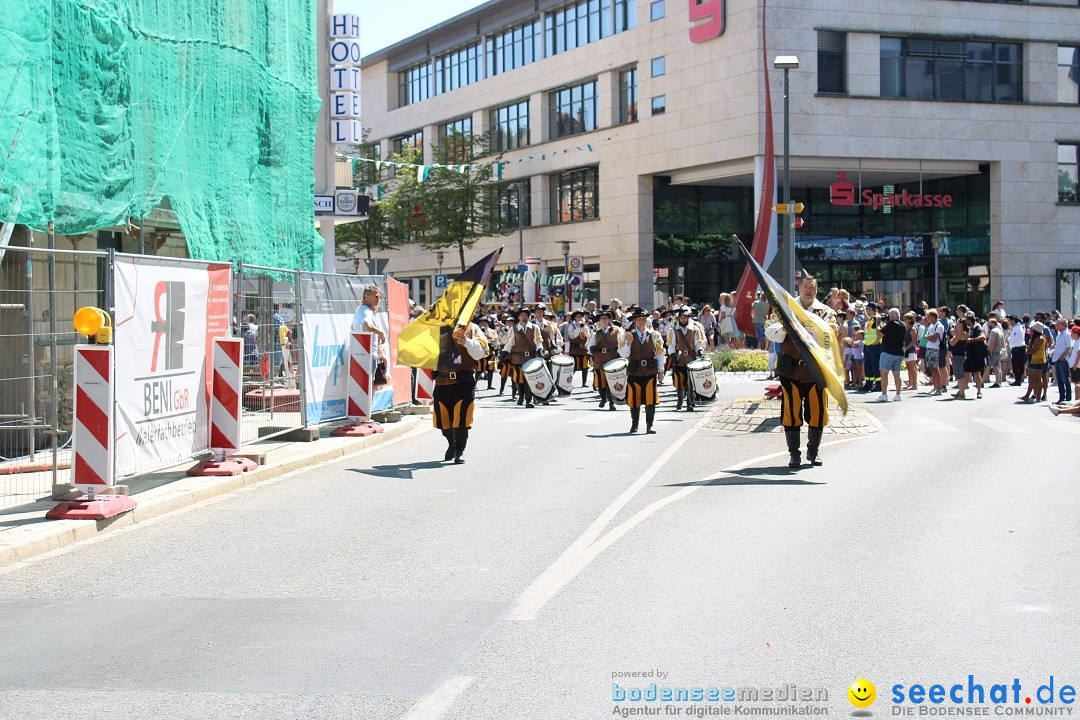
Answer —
597 418
1001 426
434 705
932 425
1067 424
585 549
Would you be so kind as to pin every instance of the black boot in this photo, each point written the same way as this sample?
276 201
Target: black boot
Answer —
635 414
813 442
610 400
603 397
689 398
650 415
502 385
490 378
449 435
678 403
519 391
525 392
461 438
584 378
794 443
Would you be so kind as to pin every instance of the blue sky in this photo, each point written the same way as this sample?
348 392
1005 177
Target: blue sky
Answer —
385 22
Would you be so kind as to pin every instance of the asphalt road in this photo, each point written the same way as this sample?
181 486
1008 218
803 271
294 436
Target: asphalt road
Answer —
565 553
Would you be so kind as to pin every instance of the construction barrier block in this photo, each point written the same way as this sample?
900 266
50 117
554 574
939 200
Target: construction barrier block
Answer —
100 508
363 429
772 390
224 468
278 399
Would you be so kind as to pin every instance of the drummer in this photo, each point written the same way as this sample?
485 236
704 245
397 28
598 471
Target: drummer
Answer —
643 349
485 368
505 369
577 341
604 346
455 389
522 342
685 343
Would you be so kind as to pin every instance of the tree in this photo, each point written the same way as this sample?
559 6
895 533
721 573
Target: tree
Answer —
363 236
456 204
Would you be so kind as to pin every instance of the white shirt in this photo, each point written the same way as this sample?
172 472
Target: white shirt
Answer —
362 318
1062 345
1074 356
934 328
1016 336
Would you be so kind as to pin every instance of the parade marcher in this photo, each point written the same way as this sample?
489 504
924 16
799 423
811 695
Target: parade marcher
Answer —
685 343
505 368
801 400
523 342
485 368
643 349
577 341
604 345
455 389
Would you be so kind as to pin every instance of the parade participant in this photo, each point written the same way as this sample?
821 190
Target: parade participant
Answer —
505 368
643 348
615 305
604 346
577 341
801 399
523 342
485 368
455 389
685 343
549 331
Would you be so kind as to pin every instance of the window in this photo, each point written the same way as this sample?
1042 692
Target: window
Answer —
1068 172
513 48
951 70
414 84
586 21
656 10
659 105
659 66
575 195
1068 75
455 137
832 62
507 206
510 126
413 139
628 96
573 109
457 68
366 174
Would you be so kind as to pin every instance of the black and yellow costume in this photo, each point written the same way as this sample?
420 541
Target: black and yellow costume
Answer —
455 391
802 400
644 353
604 346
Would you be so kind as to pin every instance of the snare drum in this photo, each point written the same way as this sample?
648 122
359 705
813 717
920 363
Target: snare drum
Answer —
702 378
538 378
616 379
563 367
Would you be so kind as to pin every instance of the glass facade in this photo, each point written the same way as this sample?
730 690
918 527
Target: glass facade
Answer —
573 110
510 126
857 247
832 62
508 204
977 71
1068 172
628 96
573 26
1068 61
455 137
457 68
414 84
513 48
575 195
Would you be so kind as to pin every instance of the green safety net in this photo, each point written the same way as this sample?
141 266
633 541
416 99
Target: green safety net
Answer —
107 106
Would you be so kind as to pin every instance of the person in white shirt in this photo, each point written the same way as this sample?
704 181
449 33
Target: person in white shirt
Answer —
364 322
935 332
1063 346
1017 349
1074 361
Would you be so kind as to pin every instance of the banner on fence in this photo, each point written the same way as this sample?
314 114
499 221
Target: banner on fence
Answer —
397 303
167 316
329 303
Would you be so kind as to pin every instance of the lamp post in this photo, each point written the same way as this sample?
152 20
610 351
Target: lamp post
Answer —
935 240
787 264
566 274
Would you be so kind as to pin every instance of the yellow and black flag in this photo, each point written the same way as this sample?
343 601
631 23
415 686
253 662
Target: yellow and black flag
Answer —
426 342
814 337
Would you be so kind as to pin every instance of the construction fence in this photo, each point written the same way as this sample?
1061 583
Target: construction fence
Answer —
294 325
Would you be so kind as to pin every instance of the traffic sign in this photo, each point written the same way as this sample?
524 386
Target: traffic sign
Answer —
576 263
575 281
522 268
799 222
782 208
440 281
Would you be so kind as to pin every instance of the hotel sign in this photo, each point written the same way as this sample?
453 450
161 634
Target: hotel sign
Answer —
843 193
344 50
712 13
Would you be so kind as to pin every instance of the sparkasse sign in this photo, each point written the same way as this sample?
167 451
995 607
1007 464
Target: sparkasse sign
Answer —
842 192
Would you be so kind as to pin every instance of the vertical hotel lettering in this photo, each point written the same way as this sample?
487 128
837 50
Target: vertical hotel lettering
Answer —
345 79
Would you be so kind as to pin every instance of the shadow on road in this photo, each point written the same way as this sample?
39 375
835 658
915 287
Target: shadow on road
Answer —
780 475
403 472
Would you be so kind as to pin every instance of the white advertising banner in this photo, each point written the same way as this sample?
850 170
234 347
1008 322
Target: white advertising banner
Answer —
167 316
329 303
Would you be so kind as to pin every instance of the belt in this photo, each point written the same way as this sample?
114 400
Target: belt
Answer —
647 363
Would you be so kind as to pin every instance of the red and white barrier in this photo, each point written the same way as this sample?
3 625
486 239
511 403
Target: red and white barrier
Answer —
93 438
425 387
225 388
361 387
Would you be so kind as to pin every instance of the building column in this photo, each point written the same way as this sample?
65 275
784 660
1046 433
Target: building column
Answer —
326 230
431 137
539 118
607 99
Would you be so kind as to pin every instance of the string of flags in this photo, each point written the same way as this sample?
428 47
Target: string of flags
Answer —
423 172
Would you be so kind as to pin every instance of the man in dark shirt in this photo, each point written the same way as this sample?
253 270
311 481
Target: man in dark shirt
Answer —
893 334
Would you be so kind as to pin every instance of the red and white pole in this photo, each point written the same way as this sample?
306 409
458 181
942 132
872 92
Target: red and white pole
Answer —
360 389
425 387
225 388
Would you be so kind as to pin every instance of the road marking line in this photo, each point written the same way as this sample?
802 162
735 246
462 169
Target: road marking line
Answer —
932 425
434 705
1001 426
1067 425
597 419
587 547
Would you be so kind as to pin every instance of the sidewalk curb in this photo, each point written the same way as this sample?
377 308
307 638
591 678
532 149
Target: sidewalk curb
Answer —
39 536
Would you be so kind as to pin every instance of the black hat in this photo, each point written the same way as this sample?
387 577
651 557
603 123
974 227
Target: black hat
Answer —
606 312
575 313
637 312
684 312
483 319
522 309
539 306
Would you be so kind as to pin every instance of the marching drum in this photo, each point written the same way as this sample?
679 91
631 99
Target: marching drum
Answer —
702 377
538 378
563 367
615 370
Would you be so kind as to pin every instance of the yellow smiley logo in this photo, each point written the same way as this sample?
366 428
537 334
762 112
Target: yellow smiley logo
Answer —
862 693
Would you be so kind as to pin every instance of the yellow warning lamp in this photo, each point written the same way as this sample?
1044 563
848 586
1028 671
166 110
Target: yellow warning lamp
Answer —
94 323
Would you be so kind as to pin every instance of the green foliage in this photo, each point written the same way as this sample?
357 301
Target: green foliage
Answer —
740 360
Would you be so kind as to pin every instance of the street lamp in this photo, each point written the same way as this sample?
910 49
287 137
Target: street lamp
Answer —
439 257
566 274
936 238
787 264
